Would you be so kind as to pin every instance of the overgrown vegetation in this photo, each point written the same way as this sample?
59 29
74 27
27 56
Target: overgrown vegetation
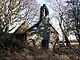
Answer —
16 46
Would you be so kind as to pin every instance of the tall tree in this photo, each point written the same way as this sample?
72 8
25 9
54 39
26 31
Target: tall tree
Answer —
73 13
58 7
9 8
16 10
29 10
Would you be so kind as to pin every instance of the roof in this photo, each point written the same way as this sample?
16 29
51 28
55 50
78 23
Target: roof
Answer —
15 26
38 23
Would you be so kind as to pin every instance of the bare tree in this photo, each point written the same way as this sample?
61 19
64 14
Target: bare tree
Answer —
8 9
73 14
58 7
12 11
29 11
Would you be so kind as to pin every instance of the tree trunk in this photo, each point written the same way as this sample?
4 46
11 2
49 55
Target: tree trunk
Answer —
66 38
